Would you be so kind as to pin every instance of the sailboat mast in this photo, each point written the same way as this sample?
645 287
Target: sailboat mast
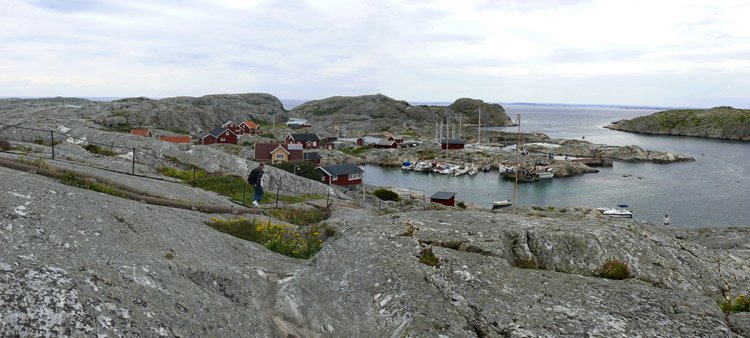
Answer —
479 127
518 163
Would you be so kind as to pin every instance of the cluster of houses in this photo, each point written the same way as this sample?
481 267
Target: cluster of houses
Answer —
299 146
229 132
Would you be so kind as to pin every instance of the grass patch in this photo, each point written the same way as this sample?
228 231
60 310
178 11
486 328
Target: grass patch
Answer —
74 180
428 257
739 304
615 269
46 142
355 151
303 242
122 128
95 149
461 205
179 131
301 216
231 186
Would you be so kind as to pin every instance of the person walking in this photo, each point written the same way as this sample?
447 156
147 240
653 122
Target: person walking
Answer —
666 219
256 180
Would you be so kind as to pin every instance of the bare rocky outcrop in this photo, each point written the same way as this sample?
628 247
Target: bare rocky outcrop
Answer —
718 122
79 263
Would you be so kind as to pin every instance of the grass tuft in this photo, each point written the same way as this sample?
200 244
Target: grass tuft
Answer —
428 257
615 269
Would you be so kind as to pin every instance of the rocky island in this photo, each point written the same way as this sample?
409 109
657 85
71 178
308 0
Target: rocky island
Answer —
108 244
719 122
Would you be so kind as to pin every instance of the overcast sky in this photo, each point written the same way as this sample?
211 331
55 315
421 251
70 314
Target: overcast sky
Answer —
661 53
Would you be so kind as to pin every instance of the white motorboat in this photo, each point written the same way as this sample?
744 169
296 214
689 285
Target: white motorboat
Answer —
500 204
461 170
407 166
621 211
545 174
423 166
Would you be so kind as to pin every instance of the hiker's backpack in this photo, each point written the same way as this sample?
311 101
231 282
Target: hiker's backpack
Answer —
253 176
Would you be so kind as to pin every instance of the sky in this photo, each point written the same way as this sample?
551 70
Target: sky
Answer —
671 53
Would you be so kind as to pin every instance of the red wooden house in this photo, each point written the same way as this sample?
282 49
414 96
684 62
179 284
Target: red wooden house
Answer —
451 143
278 152
235 128
386 144
218 135
444 197
249 127
308 141
342 174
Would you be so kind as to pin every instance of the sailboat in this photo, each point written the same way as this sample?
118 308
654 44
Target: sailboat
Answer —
515 171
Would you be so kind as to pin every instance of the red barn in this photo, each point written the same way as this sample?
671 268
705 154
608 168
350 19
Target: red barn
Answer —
342 174
219 135
444 197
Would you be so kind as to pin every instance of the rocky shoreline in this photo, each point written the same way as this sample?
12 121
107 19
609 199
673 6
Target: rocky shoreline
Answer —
719 123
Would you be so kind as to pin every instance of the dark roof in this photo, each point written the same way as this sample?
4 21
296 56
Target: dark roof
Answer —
452 141
216 132
341 169
385 142
443 195
305 137
312 156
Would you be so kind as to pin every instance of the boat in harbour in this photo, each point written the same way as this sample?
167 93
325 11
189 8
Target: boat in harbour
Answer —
423 166
621 211
407 166
501 203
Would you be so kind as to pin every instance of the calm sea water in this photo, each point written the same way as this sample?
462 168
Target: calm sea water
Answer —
712 191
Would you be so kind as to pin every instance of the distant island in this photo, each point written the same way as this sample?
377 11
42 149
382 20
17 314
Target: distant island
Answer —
719 123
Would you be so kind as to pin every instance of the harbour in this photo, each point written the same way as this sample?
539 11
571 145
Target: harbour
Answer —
712 191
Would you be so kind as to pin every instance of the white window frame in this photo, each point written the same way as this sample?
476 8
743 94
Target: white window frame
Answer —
279 156
355 176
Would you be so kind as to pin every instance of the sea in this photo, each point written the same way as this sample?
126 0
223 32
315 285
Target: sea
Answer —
713 191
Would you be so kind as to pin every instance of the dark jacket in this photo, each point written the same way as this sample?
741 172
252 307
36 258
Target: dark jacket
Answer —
256 177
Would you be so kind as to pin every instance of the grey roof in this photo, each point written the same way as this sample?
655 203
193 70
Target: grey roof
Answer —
305 137
216 132
443 195
370 140
452 141
385 143
311 156
293 146
341 169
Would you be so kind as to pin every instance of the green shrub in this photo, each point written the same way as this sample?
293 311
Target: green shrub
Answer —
301 216
615 269
74 180
305 169
281 238
268 135
95 149
461 205
739 304
5 145
428 257
355 151
386 195
123 128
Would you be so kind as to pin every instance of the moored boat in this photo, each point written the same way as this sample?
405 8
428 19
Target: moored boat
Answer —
500 204
621 211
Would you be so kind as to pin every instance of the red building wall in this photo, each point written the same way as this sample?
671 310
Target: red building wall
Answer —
341 180
450 202
451 146
208 139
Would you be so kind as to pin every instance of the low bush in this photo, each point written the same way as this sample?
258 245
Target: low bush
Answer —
74 180
301 216
428 257
355 151
95 149
526 264
461 205
386 195
303 242
305 169
5 145
739 304
615 269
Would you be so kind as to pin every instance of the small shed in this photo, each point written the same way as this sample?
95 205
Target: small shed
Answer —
444 197
451 143
312 156
342 174
141 132
176 139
